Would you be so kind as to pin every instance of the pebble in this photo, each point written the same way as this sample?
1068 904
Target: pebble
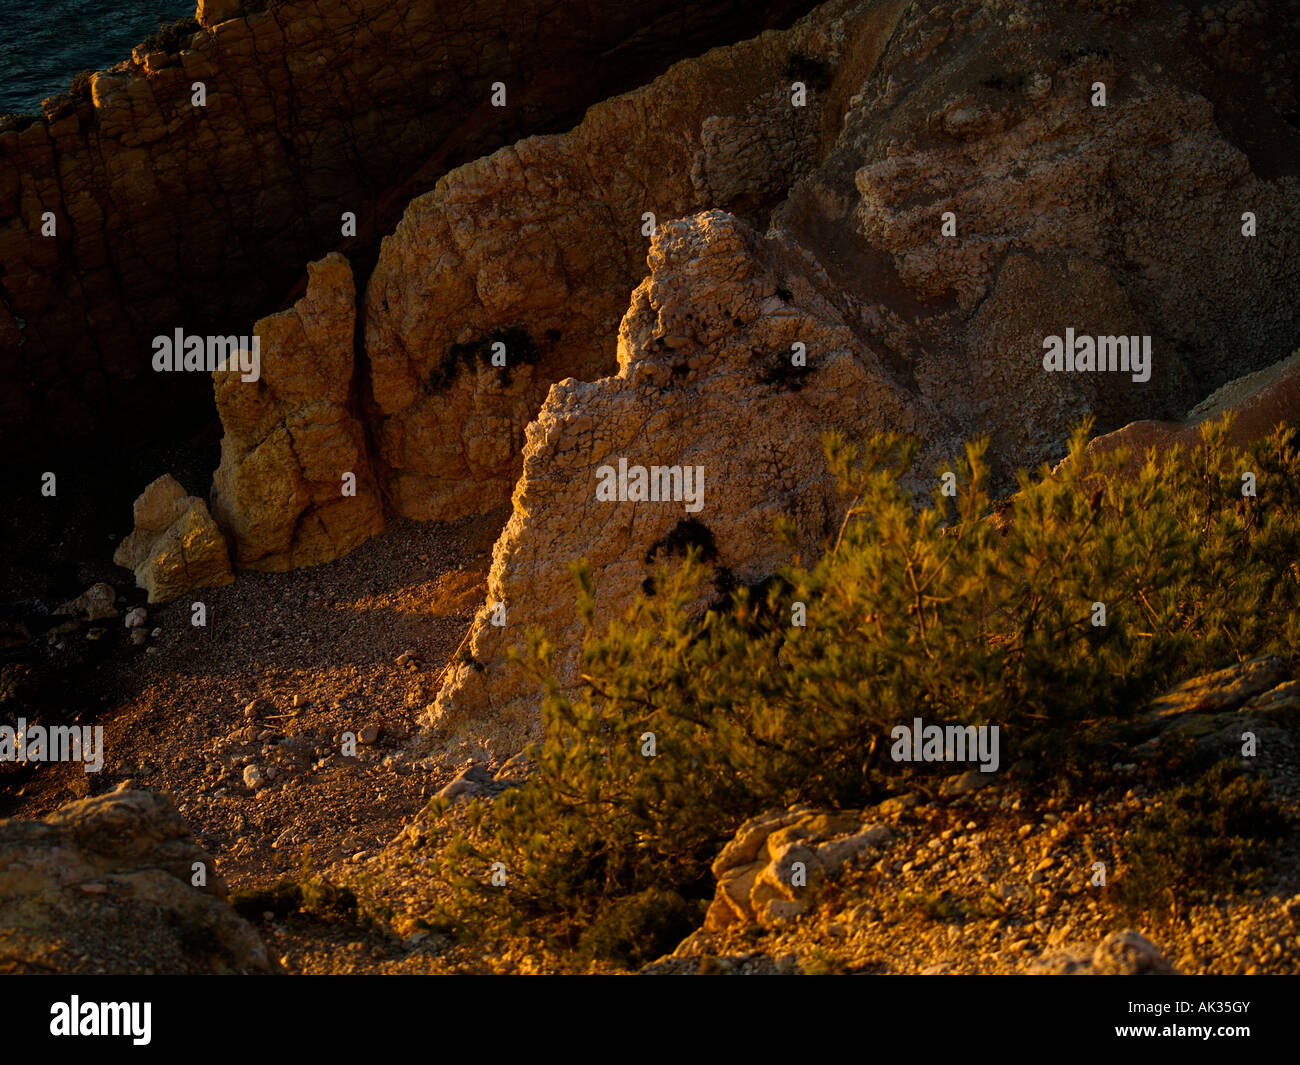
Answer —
254 778
139 637
368 734
136 618
300 700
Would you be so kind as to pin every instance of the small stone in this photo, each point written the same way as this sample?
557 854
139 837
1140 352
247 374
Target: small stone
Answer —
94 604
368 734
257 708
299 700
254 778
971 780
136 617
139 637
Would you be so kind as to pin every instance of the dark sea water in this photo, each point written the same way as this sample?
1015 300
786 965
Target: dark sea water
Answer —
43 43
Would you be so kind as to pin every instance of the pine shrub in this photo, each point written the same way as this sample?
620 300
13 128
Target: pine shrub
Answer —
954 613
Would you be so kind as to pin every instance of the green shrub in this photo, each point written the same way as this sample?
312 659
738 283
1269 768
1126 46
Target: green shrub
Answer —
929 612
171 37
639 928
1205 836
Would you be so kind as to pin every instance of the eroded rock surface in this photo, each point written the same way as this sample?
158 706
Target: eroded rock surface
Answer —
105 885
706 383
295 485
537 246
175 546
1122 220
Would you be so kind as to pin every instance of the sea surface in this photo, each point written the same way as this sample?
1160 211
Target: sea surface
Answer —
43 43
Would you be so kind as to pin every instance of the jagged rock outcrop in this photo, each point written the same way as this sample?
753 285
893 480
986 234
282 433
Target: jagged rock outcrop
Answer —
170 214
538 245
1123 219
295 485
706 384
1119 220
1217 711
105 885
175 546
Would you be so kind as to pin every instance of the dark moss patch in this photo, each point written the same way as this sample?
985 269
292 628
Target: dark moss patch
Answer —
777 370
171 37
814 73
296 900
520 348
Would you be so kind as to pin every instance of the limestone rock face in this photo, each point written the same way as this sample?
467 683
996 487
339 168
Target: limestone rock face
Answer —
172 214
1116 220
175 546
292 437
104 886
537 246
706 384
1066 217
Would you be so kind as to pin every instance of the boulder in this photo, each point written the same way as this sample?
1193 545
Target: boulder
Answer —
175 546
772 868
107 885
94 604
1126 953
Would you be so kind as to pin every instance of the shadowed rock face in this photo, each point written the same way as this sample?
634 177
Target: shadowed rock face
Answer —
170 215
105 885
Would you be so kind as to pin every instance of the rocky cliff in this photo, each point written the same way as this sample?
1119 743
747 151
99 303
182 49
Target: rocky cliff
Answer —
135 206
1004 173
